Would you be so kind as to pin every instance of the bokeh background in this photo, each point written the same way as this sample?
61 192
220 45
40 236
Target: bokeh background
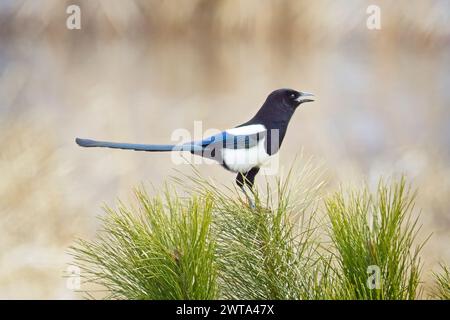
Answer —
137 70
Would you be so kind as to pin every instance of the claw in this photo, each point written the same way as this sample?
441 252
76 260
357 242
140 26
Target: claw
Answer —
251 203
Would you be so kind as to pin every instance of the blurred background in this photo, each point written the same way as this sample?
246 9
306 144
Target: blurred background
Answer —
137 70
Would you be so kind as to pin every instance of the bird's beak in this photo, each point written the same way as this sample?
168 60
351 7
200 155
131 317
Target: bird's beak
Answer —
305 97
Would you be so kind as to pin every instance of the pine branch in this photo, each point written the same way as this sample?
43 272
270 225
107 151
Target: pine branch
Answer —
204 242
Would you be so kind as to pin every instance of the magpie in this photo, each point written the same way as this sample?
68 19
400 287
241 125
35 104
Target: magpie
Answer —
243 149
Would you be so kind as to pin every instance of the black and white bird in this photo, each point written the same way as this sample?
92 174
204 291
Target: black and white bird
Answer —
243 149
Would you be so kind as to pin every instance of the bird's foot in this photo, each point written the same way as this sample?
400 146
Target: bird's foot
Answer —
251 203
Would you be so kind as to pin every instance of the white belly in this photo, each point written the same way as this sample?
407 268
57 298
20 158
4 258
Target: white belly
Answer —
243 160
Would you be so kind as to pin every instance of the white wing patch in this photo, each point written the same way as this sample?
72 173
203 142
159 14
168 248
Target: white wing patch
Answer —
246 130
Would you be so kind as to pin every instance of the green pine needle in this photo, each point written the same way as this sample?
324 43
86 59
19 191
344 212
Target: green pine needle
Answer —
442 283
162 250
205 242
374 233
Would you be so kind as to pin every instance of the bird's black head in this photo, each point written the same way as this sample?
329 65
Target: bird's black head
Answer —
279 107
289 98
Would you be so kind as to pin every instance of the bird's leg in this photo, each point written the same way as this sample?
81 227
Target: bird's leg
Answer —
240 181
251 203
247 179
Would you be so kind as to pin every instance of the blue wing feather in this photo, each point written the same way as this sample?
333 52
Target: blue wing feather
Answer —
230 141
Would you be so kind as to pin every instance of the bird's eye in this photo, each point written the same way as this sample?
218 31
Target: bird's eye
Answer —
292 95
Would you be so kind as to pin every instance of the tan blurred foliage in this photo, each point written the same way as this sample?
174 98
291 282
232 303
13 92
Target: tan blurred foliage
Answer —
137 70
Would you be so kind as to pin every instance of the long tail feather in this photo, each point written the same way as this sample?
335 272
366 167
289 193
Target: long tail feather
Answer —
137 147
